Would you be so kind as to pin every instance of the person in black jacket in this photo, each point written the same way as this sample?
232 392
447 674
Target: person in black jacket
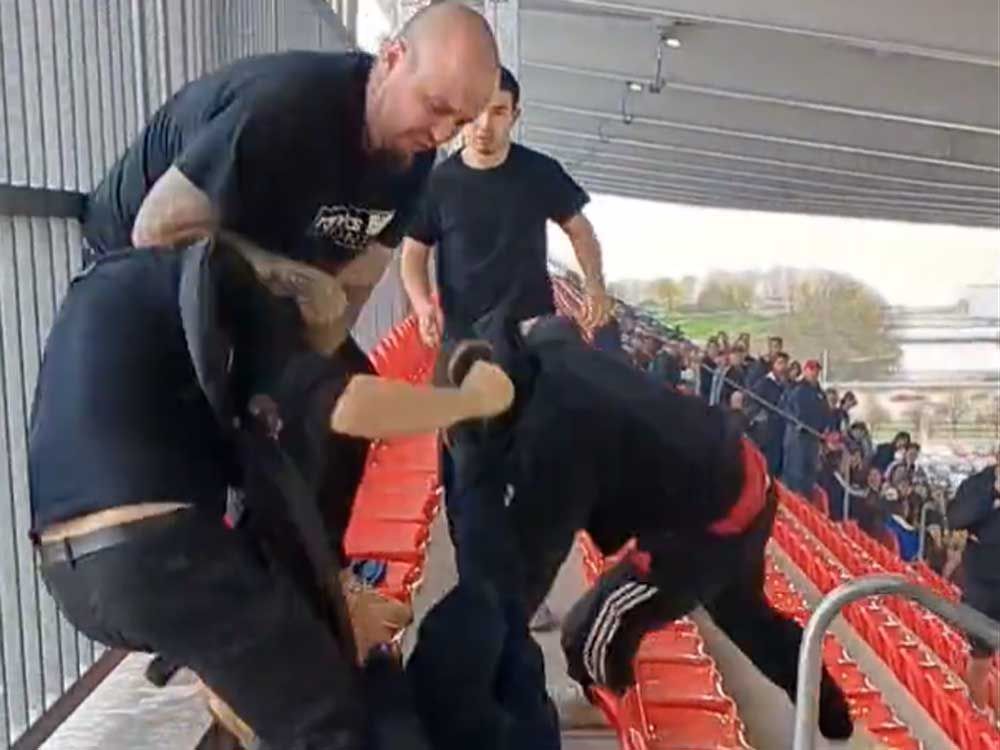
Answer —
594 445
869 510
729 377
666 369
767 427
173 455
976 507
808 404
709 363
608 338
761 366
886 453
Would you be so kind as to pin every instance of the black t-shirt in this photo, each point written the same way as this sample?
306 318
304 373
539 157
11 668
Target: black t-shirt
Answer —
489 226
119 416
276 143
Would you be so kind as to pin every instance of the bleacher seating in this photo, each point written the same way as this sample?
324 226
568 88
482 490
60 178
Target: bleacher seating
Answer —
400 492
866 702
866 556
678 701
924 653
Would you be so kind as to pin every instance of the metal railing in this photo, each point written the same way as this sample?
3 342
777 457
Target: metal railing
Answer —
927 508
78 79
811 653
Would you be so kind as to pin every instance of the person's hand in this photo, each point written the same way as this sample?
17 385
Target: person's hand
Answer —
597 307
953 555
430 322
959 539
320 297
489 390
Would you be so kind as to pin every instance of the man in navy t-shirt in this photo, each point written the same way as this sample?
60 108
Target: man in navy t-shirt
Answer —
486 209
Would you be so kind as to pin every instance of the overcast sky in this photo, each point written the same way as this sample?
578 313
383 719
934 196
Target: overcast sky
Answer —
910 264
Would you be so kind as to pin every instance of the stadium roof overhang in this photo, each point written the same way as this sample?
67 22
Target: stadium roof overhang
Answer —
887 110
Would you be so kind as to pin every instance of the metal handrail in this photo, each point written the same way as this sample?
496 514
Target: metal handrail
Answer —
850 491
24 200
811 652
922 542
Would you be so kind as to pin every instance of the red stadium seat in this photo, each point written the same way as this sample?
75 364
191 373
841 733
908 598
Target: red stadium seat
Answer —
671 645
822 499
692 683
680 728
400 580
390 505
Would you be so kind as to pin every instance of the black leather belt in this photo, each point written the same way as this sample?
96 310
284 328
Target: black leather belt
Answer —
74 548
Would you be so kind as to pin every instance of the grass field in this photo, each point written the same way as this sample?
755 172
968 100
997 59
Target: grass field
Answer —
699 326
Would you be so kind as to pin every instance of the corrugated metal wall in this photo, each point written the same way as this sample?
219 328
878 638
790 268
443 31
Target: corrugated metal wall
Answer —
79 77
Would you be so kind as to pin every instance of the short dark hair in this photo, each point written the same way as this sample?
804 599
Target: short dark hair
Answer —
780 355
509 84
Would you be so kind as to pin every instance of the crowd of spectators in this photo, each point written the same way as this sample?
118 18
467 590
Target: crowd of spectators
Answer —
812 443
805 431
817 449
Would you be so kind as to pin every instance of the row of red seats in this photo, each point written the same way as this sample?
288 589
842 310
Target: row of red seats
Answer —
400 491
678 701
403 355
919 570
862 555
867 705
932 684
819 523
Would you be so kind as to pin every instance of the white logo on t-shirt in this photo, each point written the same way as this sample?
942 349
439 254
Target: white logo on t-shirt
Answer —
350 226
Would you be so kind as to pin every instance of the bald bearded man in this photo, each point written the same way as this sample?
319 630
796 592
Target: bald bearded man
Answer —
315 156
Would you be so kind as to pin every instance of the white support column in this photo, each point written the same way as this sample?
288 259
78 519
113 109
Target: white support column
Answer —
504 17
349 17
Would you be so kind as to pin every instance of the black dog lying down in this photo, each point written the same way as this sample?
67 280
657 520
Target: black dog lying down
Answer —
592 444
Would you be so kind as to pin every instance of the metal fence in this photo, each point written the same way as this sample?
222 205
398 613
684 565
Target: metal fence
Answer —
962 616
79 77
